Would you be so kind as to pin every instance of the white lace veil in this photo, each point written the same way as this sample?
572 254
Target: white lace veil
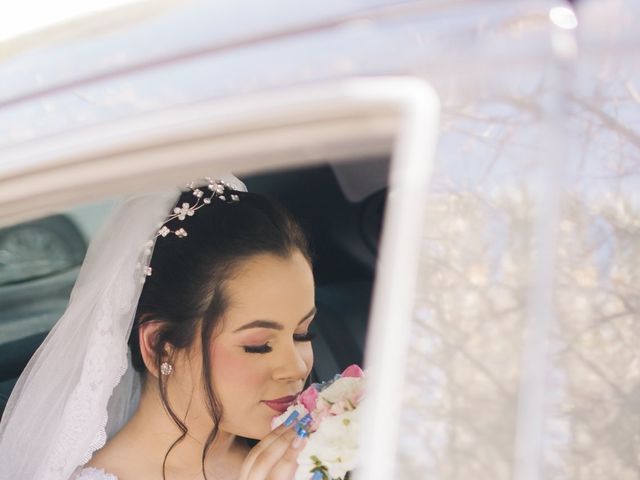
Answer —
79 387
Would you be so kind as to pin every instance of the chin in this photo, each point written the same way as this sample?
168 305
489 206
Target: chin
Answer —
253 431
253 434
257 436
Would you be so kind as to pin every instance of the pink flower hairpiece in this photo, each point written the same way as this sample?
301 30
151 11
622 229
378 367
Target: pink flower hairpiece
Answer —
217 189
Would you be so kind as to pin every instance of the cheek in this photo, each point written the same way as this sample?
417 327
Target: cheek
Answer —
307 357
233 372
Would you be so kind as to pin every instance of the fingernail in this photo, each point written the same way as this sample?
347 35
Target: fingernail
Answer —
291 418
300 430
305 420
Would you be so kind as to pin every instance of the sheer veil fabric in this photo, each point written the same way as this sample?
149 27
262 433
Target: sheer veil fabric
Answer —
79 388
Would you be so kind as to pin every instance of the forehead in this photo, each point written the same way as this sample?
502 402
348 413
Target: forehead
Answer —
271 288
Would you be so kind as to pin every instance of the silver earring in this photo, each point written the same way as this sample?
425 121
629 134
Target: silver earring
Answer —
166 368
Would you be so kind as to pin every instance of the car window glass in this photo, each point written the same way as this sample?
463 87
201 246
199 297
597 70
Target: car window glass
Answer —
39 262
524 341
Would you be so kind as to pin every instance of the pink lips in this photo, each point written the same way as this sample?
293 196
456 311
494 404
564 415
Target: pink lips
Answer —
280 404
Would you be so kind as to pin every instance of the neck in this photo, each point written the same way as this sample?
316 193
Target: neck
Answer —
155 432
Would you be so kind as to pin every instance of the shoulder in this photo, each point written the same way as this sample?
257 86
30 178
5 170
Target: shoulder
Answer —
108 463
92 473
119 459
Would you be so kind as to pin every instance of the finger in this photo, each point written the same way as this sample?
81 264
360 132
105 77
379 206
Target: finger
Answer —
275 433
266 460
285 468
264 444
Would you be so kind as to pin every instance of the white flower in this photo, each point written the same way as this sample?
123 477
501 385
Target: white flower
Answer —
334 444
345 388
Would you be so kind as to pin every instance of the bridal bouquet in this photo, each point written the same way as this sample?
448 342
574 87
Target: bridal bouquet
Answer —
331 419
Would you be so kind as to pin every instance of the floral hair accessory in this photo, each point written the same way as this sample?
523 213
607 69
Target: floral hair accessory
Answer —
214 189
332 427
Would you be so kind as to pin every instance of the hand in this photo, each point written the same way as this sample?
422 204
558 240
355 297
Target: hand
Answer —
274 457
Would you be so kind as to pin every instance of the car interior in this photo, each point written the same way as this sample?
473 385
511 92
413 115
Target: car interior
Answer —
341 212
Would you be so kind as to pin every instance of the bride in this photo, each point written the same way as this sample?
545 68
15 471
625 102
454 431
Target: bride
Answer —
185 334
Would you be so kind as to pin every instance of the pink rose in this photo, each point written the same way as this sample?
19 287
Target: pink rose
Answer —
309 398
353 371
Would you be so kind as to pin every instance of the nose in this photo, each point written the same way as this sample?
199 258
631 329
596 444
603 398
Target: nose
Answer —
291 363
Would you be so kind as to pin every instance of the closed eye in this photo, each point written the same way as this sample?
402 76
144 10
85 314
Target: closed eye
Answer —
304 337
266 348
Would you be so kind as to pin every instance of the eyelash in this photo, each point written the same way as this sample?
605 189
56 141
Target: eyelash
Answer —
266 348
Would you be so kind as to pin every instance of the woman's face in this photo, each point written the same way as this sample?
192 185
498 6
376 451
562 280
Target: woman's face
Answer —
262 352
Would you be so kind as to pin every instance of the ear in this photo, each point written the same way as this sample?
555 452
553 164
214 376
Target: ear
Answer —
148 337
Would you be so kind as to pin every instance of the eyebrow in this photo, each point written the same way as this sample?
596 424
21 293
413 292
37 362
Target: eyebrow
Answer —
271 324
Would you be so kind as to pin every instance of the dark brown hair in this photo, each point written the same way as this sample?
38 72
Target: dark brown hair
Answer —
187 287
